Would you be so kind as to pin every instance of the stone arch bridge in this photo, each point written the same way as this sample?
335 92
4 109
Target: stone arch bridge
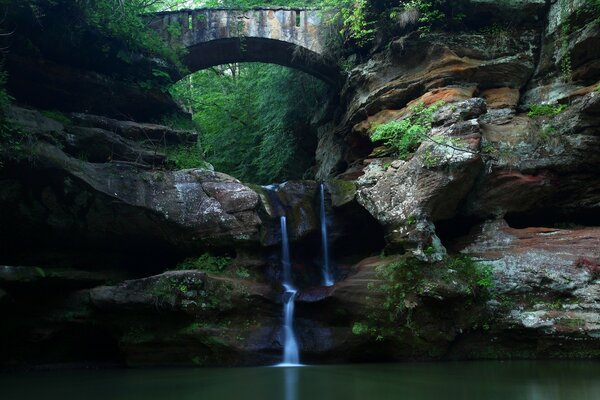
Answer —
290 37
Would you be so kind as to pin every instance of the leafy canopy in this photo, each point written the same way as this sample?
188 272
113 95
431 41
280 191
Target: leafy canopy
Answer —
254 119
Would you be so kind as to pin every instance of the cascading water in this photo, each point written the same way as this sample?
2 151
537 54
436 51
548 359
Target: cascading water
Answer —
291 355
327 275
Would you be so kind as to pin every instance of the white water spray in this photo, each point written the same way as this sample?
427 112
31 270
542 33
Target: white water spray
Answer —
291 356
327 275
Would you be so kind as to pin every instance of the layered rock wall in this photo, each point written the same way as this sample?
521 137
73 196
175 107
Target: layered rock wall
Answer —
481 243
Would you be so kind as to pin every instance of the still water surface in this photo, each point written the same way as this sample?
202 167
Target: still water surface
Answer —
444 381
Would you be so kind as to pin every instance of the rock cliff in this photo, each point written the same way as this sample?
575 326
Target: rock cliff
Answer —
482 242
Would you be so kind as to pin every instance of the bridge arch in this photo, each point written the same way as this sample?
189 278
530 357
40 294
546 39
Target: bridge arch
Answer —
284 36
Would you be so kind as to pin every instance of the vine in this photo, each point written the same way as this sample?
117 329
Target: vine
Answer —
565 31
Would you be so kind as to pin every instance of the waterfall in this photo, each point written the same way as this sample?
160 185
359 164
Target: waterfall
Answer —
290 348
327 276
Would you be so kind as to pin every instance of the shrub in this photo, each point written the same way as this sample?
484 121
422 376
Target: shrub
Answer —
123 20
546 110
405 135
475 274
407 278
186 157
206 262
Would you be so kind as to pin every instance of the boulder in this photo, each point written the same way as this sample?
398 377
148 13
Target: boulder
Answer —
192 318
547 279
183 208
406 198
190 292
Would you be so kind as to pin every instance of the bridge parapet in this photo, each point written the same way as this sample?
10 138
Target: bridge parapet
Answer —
300 27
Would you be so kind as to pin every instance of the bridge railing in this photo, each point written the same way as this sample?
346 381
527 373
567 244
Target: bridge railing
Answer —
300 26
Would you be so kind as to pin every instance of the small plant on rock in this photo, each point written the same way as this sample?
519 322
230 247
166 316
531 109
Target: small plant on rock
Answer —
405 135
186 157
546 110
206 262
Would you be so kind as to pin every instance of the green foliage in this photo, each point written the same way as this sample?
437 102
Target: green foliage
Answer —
405 135
547 132
248 4
254 119
429 14
5 98
357 19
475 274
58 116
178 122
360 328
214 265
206 262
355 23
400 278
565 31
123 20
405 279
433 14
14 141
429 250
546 110
243 273
186 157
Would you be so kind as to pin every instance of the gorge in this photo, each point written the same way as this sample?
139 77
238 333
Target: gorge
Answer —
435 198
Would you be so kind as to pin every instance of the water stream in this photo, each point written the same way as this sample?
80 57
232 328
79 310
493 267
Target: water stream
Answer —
291 355
327 275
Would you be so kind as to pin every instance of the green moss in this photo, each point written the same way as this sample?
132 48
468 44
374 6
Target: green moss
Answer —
342 192
546 110
58 116
572 322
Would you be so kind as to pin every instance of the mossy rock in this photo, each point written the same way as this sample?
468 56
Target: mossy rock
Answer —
342 192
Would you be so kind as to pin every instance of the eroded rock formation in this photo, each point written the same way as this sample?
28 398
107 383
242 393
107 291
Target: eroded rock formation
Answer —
483 243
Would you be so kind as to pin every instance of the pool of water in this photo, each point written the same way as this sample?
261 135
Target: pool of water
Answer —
460 381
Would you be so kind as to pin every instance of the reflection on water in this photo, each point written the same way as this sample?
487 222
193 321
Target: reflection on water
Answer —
463 381
291 383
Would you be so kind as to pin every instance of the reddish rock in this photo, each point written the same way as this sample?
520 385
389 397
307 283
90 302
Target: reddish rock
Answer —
501 97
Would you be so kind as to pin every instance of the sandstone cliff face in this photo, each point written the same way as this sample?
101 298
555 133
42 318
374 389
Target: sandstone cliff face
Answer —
537 172
93 227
